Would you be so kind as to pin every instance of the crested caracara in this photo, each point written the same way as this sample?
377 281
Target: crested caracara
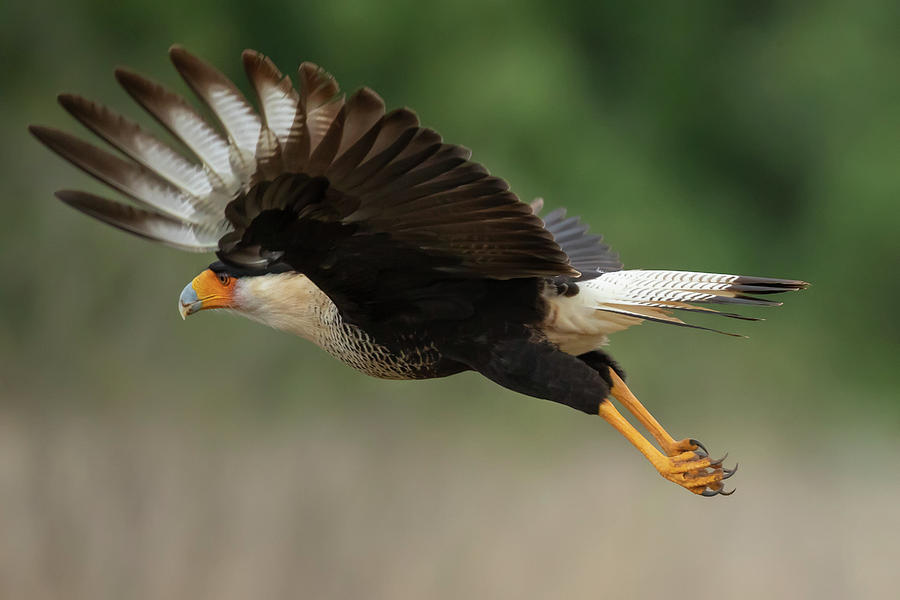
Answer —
364 233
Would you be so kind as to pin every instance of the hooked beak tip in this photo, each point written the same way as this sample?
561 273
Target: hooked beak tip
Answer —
188 303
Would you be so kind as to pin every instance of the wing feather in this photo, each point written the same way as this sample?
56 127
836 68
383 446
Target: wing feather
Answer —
224 99
192 237
129 138
128 177
278 100
181 120
587 252
321 101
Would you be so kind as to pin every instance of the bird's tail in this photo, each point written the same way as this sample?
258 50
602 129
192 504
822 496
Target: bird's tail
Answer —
652 295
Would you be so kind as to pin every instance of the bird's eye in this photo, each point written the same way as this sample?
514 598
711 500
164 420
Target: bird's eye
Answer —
224 279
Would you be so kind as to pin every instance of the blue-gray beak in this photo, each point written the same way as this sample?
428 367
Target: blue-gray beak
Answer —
188 303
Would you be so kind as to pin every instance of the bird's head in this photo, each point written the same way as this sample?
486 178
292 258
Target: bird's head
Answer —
209 289
284 300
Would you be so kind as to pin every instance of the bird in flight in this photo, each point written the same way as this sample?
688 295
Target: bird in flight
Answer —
365 233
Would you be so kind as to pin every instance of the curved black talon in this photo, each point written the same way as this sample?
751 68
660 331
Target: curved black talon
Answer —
699 445
719 492
718 463
730 472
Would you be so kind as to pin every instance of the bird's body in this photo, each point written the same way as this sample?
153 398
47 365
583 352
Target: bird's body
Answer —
394 351
366 234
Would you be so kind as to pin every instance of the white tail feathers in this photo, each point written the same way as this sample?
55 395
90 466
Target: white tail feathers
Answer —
650 295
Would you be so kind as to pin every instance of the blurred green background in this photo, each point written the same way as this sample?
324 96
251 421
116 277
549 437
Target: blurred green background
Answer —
143 457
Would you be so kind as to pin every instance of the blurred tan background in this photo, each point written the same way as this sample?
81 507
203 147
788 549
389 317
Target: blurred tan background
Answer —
142 457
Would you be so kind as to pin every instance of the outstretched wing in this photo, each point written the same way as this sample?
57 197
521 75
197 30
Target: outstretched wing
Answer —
363 202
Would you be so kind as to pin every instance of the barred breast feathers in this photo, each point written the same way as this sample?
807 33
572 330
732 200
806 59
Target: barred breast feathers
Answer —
291 302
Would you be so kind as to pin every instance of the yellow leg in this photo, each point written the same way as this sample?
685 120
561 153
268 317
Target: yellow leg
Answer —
669 445
691 470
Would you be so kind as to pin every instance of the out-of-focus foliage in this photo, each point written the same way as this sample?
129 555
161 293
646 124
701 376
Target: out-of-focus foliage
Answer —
748 137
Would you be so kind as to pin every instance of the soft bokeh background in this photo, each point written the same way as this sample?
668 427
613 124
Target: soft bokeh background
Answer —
143 457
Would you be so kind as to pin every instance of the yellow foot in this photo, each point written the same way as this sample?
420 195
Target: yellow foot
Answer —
685 462
695 471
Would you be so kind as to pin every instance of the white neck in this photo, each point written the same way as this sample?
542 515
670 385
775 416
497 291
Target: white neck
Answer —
286 301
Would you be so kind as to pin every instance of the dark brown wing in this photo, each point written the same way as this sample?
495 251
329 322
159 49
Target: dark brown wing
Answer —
386 174
334 188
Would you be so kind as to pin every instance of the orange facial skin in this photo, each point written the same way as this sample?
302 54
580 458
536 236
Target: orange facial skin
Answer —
208 290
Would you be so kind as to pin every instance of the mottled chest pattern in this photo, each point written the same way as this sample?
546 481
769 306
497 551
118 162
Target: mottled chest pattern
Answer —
356 348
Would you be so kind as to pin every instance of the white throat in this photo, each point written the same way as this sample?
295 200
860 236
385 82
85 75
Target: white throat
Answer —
286 301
